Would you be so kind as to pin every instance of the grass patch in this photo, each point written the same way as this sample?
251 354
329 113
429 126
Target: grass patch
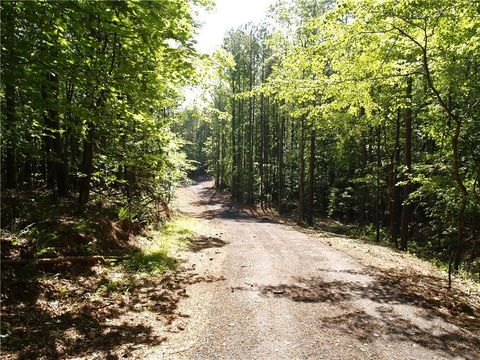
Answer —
117 284
150 262
365 232
158 249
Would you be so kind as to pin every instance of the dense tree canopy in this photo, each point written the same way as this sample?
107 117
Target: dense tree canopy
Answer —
89 90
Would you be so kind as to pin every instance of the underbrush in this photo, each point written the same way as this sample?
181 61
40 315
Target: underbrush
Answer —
35 224
79 308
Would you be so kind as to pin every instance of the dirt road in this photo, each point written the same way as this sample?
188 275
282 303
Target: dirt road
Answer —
272 292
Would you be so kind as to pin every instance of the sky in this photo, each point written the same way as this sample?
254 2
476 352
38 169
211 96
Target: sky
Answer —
227 14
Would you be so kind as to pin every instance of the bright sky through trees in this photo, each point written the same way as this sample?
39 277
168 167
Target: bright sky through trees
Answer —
227 14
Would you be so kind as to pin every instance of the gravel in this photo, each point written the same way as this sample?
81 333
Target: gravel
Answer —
269 291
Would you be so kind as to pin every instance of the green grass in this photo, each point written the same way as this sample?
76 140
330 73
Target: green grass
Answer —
117 285
150 262
366 232
159 247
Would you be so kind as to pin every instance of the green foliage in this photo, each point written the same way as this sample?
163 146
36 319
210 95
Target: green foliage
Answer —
154 261
121 284
103 73
341 202
350 74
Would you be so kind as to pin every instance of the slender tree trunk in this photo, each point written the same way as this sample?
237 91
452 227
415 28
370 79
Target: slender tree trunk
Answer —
266 151
27 173
218 159
251 115
475 218
364 162
9 79
56 166
394 192
378 189
293 164
250 151
463 194
407 208
222 158
241 150
311 179
49 163
234 190
10 151
281 165
262 150
86 168
301 175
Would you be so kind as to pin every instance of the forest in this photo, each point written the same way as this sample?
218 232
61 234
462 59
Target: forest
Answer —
359 118
362 111
89 158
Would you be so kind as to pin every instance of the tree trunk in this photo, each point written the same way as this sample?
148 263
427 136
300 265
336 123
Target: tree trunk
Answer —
463 193
378 217
266 149
407 208
222 158
262 150
251 157
217 169
241 149
394 191
364 163
234 179
56 166
27 173
49 164
301 175
311 179
71 259
9 79
86 168
251 115
448 108
281 165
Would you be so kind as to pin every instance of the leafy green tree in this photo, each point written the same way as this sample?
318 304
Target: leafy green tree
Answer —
90 91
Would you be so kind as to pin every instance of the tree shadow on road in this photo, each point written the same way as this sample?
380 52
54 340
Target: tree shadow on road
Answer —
200 243
221 206
385 289
386 324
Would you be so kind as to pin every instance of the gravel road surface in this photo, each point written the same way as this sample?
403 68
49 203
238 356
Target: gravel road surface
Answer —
268 291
